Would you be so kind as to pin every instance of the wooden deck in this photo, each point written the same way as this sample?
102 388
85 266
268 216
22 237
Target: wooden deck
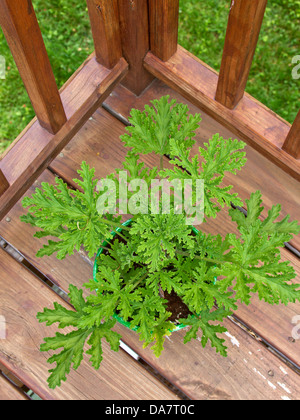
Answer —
263 361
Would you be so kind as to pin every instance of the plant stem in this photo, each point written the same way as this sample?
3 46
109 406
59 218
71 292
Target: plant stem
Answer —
122 236
105 248
161 164
140 280
114 224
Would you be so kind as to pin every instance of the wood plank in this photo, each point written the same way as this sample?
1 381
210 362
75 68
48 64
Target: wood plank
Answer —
22 296
110 155
244 24
106 156
134 24
292 142
164 15
201 374
29 160
259 173
9 392
250 372
276 186
23 35
250 120
104 18
4 185
77 267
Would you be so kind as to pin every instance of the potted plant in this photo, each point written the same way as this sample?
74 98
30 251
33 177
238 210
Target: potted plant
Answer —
156 273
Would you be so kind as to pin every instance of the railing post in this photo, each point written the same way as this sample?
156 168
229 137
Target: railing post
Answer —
104 18
4 185
22 32
134 24
244 24
292 142
164 15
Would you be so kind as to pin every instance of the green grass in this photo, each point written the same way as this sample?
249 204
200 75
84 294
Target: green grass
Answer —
66 31
203 29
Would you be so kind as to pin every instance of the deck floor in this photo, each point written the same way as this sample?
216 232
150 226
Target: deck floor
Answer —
263 361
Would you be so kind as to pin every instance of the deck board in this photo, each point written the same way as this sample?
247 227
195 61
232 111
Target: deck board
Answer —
90 144
9 392
22 296
200 374
106 156
276 327
259 173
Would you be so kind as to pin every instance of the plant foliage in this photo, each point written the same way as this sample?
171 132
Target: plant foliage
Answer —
159 254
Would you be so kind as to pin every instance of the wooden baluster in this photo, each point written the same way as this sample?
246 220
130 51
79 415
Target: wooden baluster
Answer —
292 142
104 18
22 32
4 184
134 24
245 20
164 16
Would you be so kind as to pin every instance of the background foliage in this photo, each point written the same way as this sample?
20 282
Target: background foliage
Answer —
66 32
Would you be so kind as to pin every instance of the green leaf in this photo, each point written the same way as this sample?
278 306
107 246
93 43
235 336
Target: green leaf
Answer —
254 258
160 235
59 315
72 352
103 331
145 317
69 215
153 128
209 332
220 156
162 329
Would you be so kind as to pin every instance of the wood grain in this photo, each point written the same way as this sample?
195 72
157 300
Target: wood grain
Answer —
250 120
274 324
164 16
292 142
106 156
34 158
201 374
4 185
104 18
134 24
23 35
9 392
244 24
250 372
202 380
22 296
258 174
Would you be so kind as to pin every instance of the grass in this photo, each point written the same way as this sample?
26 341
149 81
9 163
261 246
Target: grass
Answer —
66 32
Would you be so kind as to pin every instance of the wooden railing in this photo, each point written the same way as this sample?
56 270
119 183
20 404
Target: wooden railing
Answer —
136 40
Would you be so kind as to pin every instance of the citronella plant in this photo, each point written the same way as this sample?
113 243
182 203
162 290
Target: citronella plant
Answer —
158 254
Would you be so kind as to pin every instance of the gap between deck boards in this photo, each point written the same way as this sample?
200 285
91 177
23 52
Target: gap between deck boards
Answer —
238 321
126 123
251 333
21 259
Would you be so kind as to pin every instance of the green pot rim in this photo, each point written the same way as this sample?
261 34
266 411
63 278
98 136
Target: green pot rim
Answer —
95 272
